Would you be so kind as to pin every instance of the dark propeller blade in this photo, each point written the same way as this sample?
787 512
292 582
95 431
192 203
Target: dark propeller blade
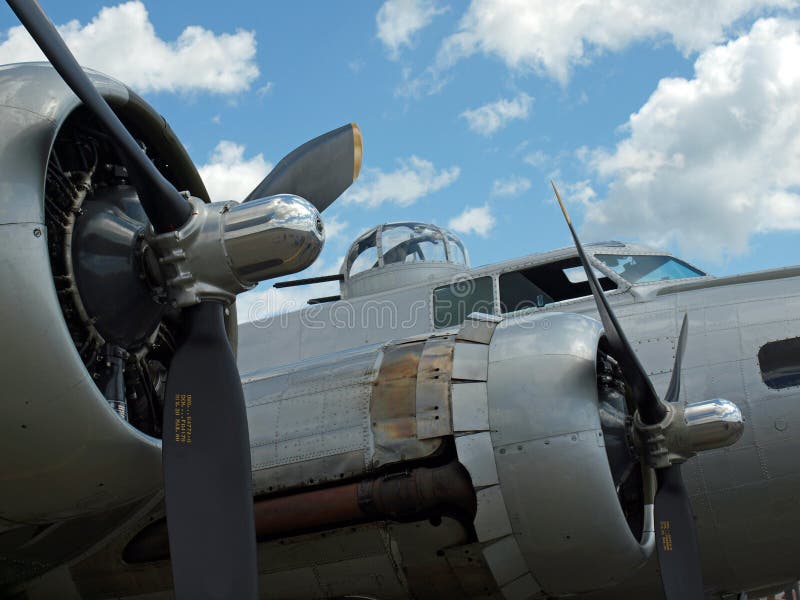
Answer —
674 389
319 171
206 446
650 408
207 465
164 206
678 551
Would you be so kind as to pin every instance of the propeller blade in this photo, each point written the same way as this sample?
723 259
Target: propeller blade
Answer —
651 410
678 550
319 171
207 465
674 389
165 207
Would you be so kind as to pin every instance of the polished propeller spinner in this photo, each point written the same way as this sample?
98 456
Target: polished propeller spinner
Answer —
206 449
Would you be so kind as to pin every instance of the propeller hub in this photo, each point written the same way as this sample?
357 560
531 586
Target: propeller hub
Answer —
226 248
689 429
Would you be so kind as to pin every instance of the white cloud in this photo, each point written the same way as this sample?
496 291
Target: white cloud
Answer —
491 117
122 42
228 175
266 89
412 180
552 37
335 228
510 186
477 220
536 159
399 20
709 161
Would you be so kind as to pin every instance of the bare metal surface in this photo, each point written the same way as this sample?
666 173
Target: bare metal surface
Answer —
492 520
478 328
470 361
433 388
521 589
310 423
470 406
551 458
394 405
505 560
475 452
469 566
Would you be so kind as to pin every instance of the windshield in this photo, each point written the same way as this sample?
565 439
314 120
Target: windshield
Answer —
645 268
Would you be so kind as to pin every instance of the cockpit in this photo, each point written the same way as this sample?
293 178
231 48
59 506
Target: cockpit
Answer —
404 243
397 255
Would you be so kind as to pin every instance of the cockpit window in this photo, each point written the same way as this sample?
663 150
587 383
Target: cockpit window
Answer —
412 242
780 363
645 268
544 284
363 255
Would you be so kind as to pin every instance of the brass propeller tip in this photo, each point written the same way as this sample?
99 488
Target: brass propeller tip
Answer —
358 150
561 203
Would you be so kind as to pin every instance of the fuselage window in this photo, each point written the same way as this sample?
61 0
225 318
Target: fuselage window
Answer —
544 284
780 363
452 303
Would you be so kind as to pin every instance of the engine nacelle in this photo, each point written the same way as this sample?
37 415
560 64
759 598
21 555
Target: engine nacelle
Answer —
66 452
553 467
522 404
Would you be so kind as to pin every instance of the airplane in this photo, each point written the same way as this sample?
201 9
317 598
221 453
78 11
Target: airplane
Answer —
521 430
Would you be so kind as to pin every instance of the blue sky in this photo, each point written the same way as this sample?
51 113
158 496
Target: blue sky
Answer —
672 123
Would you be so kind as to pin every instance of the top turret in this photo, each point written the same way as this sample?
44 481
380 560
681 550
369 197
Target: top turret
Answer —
396 255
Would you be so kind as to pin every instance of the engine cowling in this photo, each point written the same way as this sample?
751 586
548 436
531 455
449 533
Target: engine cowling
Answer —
57 429
575 530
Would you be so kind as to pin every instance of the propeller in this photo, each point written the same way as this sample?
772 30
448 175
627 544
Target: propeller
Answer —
206 448
319 170
678 550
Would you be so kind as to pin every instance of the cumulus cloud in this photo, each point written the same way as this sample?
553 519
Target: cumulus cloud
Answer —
709 161
228 175
552 37
413 179
510 186
477 220
122 42
399 20
492 117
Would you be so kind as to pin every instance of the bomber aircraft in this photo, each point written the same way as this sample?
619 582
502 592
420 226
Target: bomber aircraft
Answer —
602 421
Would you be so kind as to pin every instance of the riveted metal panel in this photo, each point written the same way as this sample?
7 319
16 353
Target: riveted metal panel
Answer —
470 361
310 421
505 560
475 452
427 571
478 328
394 406
470 406
492 520
433 388
473 573
521 589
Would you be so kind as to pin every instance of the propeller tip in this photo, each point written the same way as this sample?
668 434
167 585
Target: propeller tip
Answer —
358 150
561 203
